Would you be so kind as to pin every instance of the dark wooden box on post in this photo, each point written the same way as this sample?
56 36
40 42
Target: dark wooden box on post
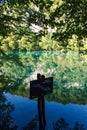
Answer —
41 87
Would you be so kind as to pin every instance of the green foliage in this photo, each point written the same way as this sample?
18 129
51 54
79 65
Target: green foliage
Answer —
55 25
68 69
5 114
66 18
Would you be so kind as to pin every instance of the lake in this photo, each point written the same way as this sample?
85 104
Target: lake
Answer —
65 108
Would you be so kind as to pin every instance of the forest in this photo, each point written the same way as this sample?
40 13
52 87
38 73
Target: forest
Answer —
58 25
52 33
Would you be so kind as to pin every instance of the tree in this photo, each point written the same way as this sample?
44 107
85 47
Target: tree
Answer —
5 114
66 17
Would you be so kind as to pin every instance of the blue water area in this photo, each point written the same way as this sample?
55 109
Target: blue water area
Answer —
65 107
26 112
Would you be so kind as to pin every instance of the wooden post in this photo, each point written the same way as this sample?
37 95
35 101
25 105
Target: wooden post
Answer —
41 106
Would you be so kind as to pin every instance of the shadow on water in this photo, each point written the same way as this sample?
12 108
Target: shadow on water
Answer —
6 108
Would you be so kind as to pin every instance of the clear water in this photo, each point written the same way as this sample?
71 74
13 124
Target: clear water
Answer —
26 112
65 108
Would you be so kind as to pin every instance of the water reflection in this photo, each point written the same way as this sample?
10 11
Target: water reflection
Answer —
6 108
61 124
68 70
25 115
70 86
32 125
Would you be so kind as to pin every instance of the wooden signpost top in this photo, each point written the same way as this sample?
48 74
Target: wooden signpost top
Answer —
41 86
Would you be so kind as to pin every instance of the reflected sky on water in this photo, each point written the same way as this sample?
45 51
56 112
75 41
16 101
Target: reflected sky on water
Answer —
26 110
65 107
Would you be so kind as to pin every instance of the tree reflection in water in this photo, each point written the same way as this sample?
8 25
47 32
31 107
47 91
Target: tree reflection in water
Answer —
5 114
32 125
61 124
